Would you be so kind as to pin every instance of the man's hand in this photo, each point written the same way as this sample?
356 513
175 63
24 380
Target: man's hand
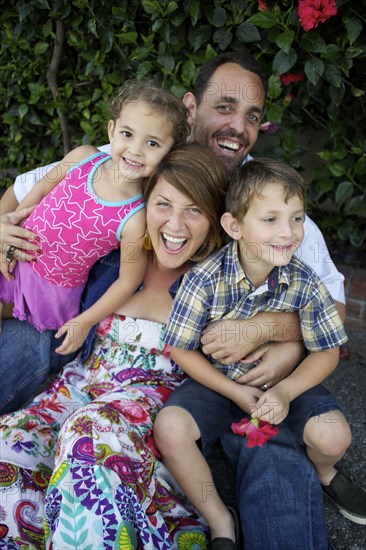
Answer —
76 331
276 361
11 234
230 340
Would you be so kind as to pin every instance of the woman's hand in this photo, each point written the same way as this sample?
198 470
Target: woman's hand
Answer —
276 361
14 235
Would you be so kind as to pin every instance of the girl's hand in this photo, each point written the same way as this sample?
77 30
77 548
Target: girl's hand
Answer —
273 406
76 331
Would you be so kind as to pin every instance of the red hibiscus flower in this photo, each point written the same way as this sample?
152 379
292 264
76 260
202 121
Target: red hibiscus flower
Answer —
258 432
313 12
289 78
262 6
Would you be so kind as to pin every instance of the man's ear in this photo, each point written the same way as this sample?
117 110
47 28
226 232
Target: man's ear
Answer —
189 100
231 226
111 125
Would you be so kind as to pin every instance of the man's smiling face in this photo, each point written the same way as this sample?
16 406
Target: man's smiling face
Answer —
229 115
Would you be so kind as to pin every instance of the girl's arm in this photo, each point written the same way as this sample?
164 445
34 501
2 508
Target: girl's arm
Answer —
55 175
195 364
132 269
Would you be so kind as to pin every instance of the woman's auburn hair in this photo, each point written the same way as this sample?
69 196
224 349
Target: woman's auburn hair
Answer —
198 173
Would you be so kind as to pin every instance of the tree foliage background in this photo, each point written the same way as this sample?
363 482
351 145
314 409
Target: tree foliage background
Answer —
60 60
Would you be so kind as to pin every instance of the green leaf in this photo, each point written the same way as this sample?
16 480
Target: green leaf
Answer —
199 36
218 17
263 19
284 40
223 38
357 205
283 61
189 72
314 69
23 110
194 10
344 191
127 38
312 42
166 61
354 28
332 74
274 86
247 33
40 48
274 113
353 52
336 168
337 94
172 6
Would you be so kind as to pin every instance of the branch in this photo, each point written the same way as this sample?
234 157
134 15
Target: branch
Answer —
52 82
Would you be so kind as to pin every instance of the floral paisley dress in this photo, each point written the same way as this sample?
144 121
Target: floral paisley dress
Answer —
109 488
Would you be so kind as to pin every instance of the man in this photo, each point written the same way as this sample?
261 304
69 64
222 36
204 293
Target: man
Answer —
278 493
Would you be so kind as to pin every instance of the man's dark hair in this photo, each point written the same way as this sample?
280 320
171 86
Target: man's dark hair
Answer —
206 71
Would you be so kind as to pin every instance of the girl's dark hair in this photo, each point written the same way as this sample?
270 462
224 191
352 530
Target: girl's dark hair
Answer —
196 172
159 99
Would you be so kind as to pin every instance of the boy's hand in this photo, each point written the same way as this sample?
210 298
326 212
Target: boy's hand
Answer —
76 331
273 406
246 397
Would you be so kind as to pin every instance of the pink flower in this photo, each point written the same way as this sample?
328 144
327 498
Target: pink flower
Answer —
262 6
289 78
313 12
269 127
258 432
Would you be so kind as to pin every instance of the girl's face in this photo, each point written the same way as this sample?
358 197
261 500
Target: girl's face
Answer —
176 226
140 138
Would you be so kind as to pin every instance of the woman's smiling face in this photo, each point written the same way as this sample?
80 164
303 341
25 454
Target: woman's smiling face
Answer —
176 226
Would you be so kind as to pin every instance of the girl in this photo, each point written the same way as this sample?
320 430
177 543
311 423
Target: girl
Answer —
88 205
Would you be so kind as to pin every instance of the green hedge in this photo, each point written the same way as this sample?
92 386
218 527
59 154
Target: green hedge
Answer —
60 59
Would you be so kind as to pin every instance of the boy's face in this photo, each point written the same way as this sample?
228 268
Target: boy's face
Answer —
140 138
270 232
229 115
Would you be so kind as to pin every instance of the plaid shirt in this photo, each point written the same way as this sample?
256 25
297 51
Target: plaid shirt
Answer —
218 289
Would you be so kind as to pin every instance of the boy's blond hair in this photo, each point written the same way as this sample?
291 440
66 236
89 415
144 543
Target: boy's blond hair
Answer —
249 180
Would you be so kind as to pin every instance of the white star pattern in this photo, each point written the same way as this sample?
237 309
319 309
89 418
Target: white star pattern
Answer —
75 227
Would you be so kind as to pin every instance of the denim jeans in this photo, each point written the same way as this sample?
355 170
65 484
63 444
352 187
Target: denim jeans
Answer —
27 357
278 494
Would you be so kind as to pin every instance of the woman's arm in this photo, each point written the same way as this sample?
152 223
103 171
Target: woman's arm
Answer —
132 269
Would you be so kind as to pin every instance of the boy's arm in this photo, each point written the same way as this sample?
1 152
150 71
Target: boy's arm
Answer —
133 261
194 363
313 370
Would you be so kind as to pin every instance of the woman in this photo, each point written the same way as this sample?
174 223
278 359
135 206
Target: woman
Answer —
109 487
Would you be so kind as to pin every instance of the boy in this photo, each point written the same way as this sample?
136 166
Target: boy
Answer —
255 272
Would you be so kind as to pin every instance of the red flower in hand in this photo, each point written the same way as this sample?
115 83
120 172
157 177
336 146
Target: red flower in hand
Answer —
313 12
258 432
